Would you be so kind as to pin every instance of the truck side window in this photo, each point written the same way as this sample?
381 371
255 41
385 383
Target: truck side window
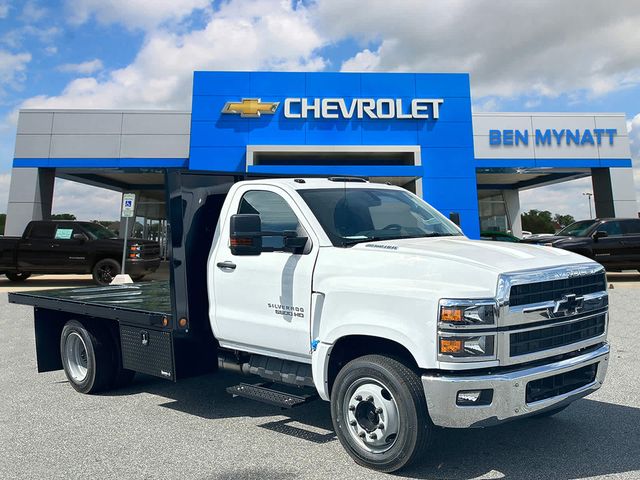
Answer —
631 227
612 228
275 213
42 231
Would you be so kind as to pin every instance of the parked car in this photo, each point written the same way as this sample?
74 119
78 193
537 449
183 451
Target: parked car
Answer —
613 242
499 237
526 233
75 248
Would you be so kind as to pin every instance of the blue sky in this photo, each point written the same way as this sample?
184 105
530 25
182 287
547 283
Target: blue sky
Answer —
522 56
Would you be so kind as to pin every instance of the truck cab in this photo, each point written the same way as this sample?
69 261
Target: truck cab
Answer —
363 295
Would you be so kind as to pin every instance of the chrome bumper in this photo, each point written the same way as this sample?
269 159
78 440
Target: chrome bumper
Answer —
509 390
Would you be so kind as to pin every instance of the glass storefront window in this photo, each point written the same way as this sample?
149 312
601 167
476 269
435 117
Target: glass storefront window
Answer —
493 212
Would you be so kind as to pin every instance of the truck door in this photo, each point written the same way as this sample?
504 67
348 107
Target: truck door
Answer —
262 303
69 254
609 250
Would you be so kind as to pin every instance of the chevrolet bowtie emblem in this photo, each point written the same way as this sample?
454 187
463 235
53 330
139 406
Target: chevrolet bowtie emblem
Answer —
250 107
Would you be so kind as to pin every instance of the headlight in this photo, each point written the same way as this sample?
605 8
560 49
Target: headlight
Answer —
549 244
466 347
467 313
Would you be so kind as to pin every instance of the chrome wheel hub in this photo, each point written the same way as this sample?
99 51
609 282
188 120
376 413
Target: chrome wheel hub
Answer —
76 357
371 415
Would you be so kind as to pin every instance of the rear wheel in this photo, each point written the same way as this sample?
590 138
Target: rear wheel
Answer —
105 270
86 357
137 278
379 413
17 276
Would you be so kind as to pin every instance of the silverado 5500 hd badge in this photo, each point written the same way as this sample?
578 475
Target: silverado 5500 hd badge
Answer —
287 310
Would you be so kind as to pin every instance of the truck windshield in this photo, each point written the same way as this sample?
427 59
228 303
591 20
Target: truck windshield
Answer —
577 229
97 231
356 215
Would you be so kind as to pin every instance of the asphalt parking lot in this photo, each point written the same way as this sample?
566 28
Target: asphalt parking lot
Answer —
194 430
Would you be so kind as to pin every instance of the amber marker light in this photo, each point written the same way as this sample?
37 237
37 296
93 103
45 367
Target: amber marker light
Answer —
165 321
451 314
450 346
182 322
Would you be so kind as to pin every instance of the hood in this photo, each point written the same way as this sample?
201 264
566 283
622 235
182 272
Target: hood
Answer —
499 257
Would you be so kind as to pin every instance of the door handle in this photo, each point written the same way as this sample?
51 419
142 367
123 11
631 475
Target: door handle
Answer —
226 265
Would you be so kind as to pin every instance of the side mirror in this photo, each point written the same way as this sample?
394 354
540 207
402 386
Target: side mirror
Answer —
80 236
600 234
246 234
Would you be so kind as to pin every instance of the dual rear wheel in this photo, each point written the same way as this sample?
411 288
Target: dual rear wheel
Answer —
91 358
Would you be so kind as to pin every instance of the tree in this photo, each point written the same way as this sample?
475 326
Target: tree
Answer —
537 221
563 220
63 216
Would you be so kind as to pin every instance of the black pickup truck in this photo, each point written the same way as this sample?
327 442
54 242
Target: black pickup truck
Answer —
613 242
75 248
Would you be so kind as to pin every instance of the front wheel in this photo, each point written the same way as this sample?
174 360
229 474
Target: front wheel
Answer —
105 270
17 276
379 413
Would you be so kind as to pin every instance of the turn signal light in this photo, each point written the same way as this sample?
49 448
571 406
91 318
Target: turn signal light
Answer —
451 314
450 346
241 241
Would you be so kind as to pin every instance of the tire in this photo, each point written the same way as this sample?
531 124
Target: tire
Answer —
105 270
87 357
383 399
137 278
549 413
17 276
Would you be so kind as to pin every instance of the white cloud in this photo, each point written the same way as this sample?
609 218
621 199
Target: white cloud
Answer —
84 68
144 14
564 198
12 69
17 37
510 48
364 61
242 35
32 12
4 9
73 197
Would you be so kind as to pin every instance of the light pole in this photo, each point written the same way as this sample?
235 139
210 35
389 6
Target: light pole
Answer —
589 194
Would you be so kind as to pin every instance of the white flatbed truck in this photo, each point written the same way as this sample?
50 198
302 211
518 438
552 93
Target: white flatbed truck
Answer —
358 293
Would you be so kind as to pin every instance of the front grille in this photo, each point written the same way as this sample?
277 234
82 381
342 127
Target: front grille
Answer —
560 384
150 251
533 341
552 290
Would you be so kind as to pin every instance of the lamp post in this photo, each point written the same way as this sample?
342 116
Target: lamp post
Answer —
589 194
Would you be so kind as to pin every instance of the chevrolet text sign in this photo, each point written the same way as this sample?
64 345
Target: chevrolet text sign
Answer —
336 108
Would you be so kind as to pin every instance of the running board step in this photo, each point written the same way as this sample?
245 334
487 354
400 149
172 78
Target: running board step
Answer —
262 393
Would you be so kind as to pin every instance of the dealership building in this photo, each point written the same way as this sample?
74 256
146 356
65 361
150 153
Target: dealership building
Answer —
413 130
